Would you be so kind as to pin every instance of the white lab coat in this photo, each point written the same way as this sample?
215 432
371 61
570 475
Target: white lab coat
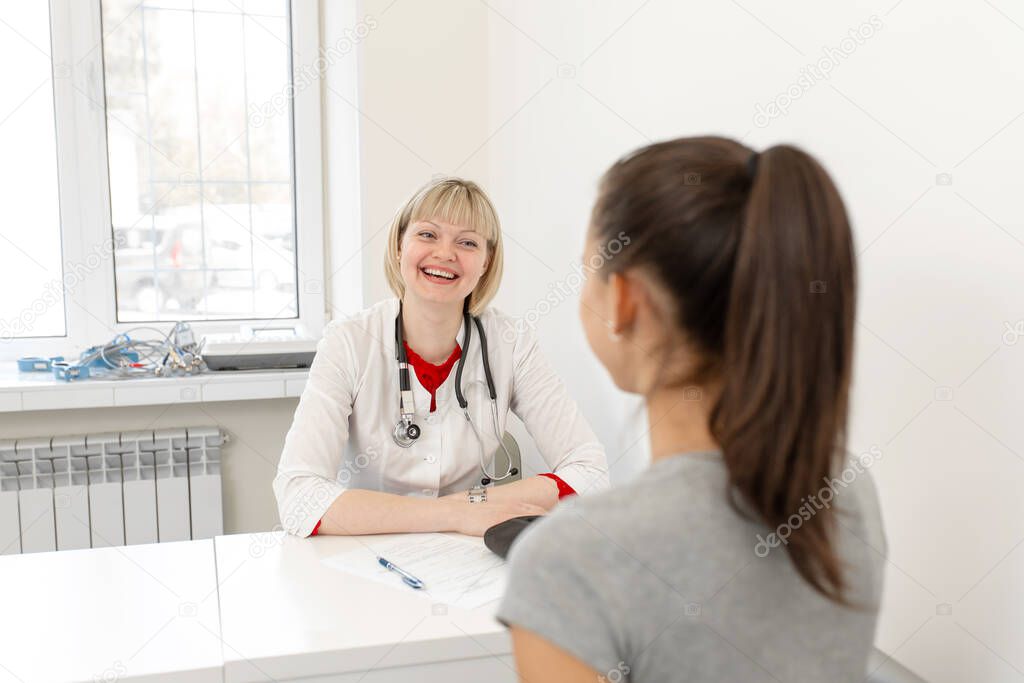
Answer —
341 435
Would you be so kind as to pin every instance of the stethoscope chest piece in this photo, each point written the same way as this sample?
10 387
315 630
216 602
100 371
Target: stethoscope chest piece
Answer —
406 433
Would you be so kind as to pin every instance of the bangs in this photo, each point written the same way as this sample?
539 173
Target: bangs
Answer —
457 204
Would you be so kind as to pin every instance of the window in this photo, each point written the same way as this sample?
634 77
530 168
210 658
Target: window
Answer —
201 191
160 174
32 304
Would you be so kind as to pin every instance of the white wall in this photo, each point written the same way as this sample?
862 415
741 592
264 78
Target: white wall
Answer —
422 110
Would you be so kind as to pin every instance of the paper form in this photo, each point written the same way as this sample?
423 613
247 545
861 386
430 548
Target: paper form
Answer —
455 571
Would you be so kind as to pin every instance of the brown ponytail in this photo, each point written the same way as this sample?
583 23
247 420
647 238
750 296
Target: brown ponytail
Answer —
759 260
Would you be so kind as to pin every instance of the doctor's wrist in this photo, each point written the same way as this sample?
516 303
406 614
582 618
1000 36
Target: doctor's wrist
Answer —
452 512
539 491
549 490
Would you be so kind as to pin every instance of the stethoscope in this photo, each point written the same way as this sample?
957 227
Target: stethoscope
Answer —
407 432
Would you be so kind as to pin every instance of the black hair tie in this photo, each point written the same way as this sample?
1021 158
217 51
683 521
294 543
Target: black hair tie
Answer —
752 165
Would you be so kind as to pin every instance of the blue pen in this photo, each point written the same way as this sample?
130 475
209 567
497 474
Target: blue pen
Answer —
408 578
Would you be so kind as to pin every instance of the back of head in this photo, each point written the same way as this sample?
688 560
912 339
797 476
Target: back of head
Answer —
756 253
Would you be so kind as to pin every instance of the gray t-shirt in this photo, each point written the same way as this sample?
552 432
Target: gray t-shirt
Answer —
661 580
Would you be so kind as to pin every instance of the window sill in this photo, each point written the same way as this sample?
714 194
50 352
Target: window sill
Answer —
24 391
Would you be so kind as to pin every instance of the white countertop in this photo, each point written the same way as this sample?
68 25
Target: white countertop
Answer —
244 607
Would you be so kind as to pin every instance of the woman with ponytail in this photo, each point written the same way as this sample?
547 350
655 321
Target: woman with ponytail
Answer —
751 549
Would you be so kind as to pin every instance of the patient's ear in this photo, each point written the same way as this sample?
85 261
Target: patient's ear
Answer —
624 294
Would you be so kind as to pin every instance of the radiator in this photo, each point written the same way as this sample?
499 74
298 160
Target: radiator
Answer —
113 489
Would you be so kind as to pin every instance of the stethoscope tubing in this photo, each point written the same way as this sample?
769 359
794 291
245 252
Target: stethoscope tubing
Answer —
407 432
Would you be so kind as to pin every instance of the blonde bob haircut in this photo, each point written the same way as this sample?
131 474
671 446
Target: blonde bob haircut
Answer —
459 202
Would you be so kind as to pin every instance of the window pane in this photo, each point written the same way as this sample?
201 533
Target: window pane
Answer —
31 276
199 148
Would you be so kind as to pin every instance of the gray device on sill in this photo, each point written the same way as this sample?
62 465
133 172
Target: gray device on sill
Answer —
259 349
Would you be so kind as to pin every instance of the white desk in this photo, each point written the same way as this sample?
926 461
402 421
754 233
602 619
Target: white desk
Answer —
246 607
141 613
288 616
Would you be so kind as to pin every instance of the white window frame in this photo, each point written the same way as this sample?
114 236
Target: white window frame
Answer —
90 306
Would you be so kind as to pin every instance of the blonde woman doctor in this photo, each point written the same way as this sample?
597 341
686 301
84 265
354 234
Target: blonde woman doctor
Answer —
363 457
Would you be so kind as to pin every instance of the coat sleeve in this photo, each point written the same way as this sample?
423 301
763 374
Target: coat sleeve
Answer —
565 440
307 475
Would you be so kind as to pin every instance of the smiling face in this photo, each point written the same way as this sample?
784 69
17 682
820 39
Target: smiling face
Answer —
441 262
444 245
